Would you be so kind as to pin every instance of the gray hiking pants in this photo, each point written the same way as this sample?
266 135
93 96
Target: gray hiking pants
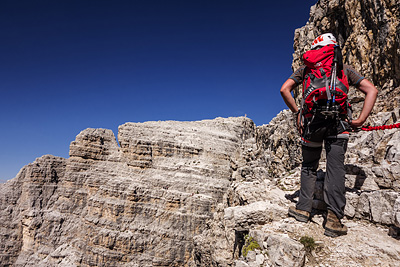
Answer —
334 185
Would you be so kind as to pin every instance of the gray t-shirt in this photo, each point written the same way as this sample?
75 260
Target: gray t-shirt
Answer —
353 77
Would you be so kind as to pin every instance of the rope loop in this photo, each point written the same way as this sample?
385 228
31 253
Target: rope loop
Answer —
383 127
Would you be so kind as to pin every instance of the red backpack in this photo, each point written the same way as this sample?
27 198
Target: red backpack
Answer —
317 79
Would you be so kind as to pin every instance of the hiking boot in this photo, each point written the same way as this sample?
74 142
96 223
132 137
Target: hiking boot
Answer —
300 215
333 226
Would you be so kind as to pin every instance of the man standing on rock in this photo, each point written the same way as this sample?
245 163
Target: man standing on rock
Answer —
325 117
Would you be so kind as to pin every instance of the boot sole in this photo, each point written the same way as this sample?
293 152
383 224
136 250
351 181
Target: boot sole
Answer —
333 233
298 217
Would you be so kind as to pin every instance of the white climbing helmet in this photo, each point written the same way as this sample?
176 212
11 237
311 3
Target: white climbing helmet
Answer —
324 39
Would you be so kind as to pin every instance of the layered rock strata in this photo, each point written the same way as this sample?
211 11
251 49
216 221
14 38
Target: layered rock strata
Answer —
107 205
166 196
169 197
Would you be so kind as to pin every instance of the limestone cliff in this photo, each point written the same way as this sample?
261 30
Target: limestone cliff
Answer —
140 203
368 32
187 193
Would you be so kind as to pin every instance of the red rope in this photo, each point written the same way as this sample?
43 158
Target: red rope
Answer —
383 127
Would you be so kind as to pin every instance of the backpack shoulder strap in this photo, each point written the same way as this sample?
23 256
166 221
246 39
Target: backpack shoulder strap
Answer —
302 102
305 72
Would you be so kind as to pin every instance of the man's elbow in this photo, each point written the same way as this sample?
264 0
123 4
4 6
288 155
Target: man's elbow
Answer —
287 87
368 88
283 90
375 91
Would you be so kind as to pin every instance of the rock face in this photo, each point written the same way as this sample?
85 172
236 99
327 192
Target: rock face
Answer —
369 33
141 203
367 30
192 193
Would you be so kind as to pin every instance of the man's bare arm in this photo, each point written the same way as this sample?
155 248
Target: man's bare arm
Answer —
371 93
286 92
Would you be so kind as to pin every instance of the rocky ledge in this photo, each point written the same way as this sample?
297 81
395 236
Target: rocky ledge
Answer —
186 194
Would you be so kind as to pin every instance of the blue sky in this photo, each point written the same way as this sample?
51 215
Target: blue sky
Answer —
68 65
